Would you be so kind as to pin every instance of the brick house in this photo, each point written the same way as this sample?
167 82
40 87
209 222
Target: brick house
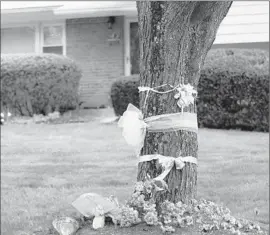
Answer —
102 36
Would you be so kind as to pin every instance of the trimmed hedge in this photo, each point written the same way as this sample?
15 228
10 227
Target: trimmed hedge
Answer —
233 92
123 92
39 84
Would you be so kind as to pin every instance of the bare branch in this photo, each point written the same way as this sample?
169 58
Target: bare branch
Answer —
204 10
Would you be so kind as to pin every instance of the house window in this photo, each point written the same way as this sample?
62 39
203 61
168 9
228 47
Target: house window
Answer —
18 40
53 39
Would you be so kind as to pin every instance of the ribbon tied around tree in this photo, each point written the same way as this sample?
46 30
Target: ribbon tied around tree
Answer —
134 127
167 163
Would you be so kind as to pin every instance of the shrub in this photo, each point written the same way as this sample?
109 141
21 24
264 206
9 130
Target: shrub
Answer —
123 92
39 84
233 92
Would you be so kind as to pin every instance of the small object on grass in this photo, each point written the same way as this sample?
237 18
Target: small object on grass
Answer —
99 222
94 205
109 120
2 118
99 219
256 211
66 225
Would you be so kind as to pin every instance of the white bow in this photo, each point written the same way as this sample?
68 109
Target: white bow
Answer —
167 163
134 127
185 94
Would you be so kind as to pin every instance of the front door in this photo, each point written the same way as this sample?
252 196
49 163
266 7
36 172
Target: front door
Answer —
134 49
132 52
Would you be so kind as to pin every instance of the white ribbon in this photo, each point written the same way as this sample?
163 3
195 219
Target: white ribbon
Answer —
134 126
167 163
146 88
185 93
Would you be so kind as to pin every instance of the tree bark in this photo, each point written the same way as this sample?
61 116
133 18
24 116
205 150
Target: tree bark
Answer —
174 40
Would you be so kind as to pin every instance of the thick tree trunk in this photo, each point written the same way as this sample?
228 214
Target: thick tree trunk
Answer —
174 40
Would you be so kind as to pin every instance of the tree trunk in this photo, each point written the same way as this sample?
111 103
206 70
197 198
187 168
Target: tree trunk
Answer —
174 40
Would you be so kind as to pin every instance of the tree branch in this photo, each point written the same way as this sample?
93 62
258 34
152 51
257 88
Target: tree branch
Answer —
204 10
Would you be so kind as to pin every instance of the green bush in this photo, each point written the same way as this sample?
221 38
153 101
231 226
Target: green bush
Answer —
233 92
123 92
39 84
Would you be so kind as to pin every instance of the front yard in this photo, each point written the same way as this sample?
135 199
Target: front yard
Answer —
45 167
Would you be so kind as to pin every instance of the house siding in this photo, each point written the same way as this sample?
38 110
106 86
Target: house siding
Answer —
101 62
246 22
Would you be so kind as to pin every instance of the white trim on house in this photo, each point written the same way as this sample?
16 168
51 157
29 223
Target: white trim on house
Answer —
37 38
127 63
64 38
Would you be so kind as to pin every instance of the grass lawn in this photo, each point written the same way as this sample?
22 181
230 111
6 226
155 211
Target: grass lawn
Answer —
45 167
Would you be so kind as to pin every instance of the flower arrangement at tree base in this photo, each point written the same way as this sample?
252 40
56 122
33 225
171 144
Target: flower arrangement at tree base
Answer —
206 216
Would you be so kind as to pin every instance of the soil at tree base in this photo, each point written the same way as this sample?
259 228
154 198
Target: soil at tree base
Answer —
143 229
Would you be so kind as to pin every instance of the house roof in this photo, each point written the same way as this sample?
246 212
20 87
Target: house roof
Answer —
24 6
246 21
101 8
13 12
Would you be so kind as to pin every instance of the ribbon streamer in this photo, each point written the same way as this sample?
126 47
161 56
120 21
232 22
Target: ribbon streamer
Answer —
146 88
167 163
185 93
134 126
172 122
